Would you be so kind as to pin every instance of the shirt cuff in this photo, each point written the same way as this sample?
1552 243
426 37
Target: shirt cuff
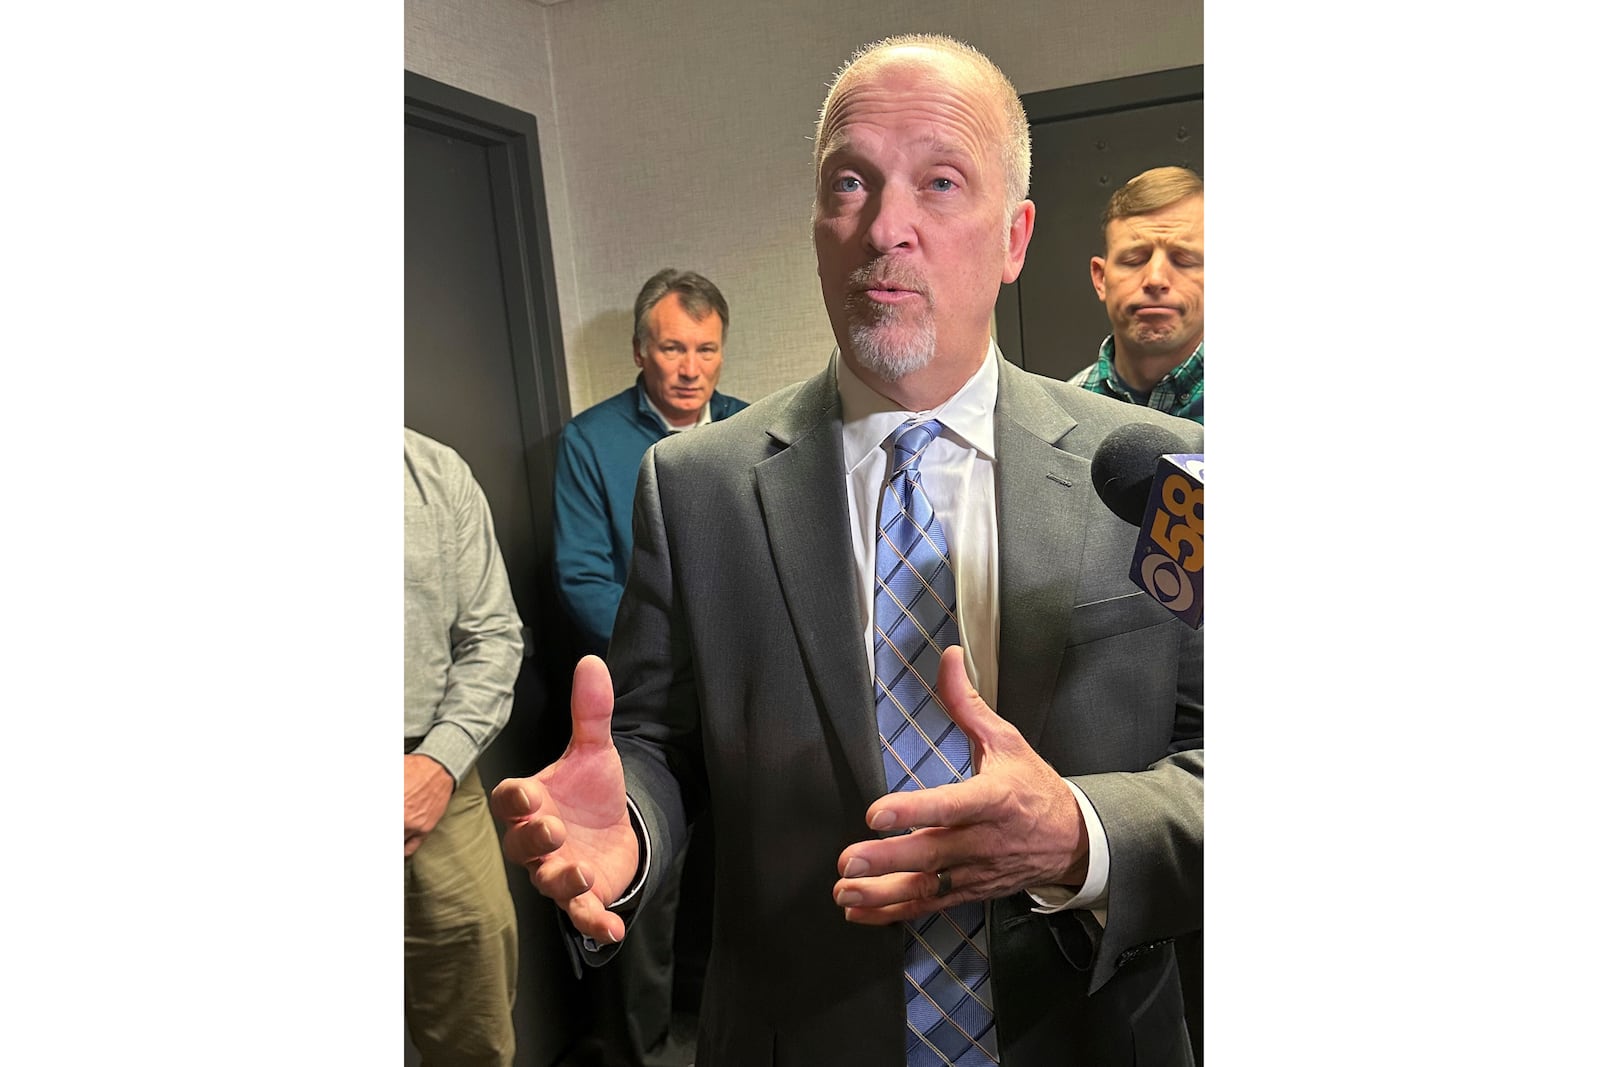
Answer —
1092 895
451 747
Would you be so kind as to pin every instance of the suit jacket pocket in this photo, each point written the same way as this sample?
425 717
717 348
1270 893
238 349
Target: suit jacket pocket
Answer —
1118 615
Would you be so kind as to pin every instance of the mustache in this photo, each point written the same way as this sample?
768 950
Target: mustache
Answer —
888 274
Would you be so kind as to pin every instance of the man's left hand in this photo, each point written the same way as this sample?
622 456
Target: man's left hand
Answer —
1013 825
428 789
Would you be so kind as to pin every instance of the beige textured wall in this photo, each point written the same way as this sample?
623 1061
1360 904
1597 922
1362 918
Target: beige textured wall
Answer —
677 133
500 49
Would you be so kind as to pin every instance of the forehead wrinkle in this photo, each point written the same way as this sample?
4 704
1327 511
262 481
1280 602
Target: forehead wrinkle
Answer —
954 103
1171 232
1182 219
657 332
841 143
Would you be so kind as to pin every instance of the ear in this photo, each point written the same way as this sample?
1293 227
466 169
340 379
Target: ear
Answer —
1020 233
1097 274
638 356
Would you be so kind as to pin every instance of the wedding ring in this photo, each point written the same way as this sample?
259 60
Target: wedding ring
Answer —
944 883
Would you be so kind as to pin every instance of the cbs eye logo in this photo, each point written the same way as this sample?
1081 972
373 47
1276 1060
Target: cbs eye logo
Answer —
1178 528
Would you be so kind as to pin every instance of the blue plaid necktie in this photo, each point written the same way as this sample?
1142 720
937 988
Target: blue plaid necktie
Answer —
949 1006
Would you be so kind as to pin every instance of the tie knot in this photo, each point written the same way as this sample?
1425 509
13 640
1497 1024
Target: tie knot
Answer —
910 440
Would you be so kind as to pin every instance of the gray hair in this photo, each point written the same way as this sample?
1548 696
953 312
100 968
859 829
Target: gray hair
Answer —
698 296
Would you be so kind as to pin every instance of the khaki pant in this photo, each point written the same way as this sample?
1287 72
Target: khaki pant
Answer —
461 939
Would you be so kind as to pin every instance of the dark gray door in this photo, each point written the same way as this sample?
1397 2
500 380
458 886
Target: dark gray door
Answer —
1088 140
484 374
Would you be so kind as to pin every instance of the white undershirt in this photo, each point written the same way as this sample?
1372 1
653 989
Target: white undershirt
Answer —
703 419
957 471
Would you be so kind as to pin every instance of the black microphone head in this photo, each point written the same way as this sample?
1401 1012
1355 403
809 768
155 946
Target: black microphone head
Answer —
1124 466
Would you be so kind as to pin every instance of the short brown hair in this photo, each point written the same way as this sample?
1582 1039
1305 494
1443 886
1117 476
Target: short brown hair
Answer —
1147 193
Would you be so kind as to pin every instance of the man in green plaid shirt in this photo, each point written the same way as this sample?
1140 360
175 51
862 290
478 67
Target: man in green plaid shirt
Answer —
1152 281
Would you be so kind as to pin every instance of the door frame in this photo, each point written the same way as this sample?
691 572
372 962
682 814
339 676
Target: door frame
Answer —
551 1009
527 267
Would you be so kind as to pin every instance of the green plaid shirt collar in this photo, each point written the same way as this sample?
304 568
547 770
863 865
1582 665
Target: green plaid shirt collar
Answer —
1181 392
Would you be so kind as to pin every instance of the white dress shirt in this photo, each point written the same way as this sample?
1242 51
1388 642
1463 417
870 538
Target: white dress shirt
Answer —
958 476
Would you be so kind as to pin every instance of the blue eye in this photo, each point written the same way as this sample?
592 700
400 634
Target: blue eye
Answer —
846 185
943 185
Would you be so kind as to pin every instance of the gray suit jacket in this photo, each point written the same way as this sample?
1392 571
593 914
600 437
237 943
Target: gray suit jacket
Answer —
743 694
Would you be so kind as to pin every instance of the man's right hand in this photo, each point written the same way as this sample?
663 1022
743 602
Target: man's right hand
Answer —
568 824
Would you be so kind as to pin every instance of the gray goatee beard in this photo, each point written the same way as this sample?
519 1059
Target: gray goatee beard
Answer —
879 333
888 356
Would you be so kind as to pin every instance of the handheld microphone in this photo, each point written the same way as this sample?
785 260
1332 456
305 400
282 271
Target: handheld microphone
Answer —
1147 479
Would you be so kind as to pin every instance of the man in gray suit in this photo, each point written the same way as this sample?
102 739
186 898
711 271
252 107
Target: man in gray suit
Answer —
755 657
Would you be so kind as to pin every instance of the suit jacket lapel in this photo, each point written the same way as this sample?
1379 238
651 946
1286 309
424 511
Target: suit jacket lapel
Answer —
1043 496
803 503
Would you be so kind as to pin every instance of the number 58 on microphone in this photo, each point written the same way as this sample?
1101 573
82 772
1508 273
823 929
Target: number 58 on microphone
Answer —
1169 557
